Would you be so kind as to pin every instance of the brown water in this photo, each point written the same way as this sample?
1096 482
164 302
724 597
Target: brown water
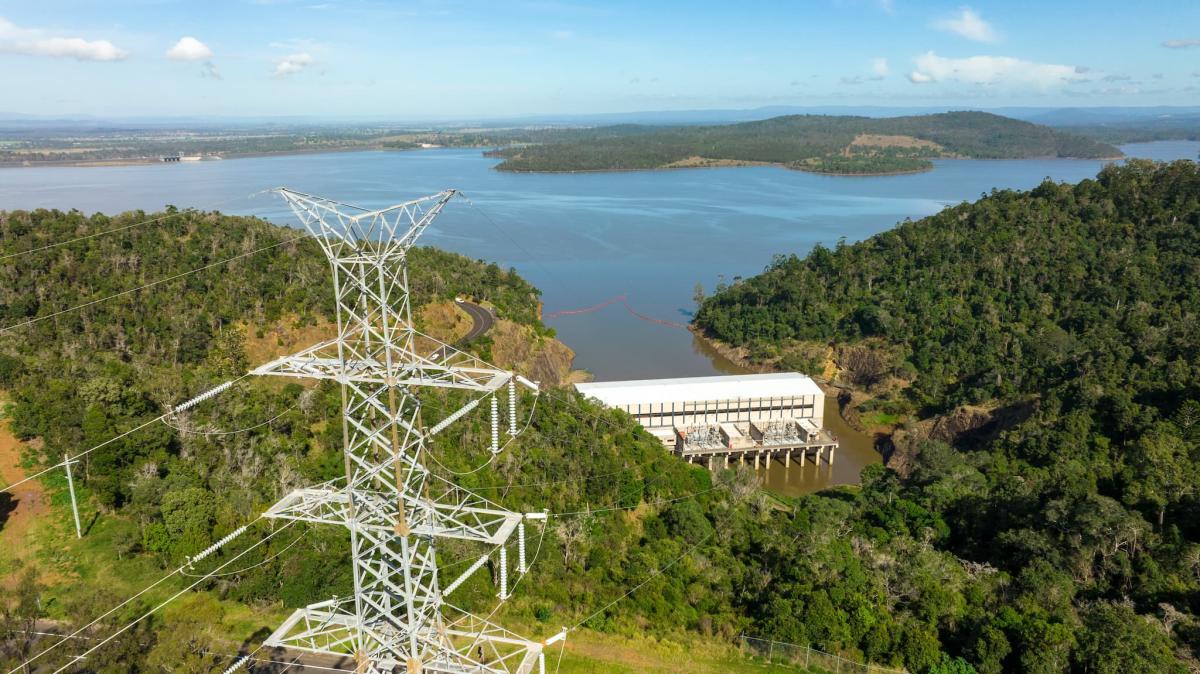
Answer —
855 451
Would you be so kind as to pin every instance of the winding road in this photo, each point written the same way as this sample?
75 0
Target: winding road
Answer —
482 318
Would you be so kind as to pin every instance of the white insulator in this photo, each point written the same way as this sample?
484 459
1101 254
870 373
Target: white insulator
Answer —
503 573
557 637
202 397
218 545
237 664
521 568
466 574
444 423
512 407
495 425
531 385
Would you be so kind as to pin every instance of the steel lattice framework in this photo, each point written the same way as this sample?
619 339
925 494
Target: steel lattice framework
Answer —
393 506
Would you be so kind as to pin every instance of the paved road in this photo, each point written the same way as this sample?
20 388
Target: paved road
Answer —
482 320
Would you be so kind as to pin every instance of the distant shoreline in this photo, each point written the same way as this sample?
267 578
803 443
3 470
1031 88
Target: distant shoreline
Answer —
145 161
744 164
719 166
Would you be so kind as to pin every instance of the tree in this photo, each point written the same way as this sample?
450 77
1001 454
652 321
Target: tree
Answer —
19 617
1118 641
188 517
227 355
950 665
1162 471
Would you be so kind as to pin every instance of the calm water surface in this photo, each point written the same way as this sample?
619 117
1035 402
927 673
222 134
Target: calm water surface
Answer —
583 238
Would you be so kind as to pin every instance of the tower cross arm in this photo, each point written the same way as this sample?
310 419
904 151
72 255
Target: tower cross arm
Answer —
395 229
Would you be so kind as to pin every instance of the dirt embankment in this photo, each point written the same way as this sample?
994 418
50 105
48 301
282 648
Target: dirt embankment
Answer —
19 510
542 359
963 426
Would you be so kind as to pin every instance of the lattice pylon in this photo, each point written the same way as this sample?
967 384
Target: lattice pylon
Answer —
393 506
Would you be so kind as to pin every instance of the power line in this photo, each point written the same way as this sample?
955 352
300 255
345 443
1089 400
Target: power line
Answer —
280 662
91 236
240 430
64 463
532 258
659 502
173 597
123 228
109 612
76 633
135 429
37 319
268 560
657 572
493 456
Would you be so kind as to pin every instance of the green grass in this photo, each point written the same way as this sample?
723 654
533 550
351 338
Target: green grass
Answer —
879 418
589 652
70 563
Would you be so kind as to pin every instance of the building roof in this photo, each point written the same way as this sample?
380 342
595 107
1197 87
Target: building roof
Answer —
633 392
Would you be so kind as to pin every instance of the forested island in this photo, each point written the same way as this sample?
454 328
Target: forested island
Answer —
1036 357
820 143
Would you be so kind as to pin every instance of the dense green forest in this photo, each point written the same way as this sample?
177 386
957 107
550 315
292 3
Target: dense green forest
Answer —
1035 555
807 142
1070 314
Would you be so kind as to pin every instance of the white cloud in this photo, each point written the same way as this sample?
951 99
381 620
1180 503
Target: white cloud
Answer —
189 49
992 70
879 66
970 25
1182 44
17 40
292 64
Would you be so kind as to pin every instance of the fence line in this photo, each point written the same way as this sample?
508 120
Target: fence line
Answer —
780 652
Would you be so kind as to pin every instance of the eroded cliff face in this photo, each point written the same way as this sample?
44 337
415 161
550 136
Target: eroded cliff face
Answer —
542 359
962 426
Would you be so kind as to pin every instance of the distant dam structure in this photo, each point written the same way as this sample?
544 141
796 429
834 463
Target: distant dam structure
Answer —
743 418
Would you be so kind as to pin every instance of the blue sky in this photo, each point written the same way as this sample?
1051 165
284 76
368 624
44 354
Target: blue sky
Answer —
417 59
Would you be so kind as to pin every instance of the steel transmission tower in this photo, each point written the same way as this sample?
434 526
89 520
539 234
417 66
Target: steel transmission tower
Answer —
395 509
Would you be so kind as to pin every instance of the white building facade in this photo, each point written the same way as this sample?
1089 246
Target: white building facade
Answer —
665 407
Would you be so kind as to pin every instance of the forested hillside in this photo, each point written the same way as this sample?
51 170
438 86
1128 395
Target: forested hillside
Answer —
808 142
1060 330
956 570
